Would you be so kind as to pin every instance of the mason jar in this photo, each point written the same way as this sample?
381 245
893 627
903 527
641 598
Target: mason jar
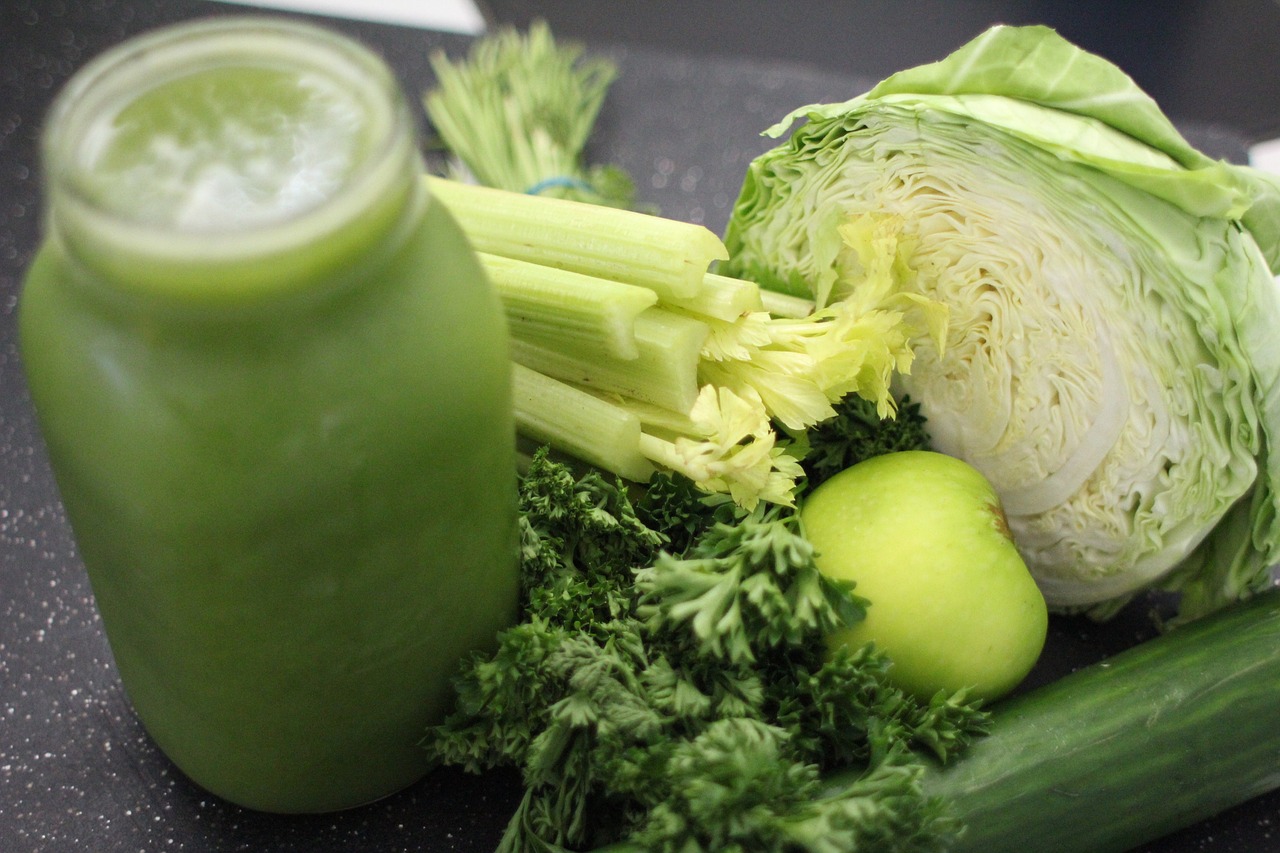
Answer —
274 387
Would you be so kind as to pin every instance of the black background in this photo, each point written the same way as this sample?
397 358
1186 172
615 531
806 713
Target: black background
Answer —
1210 61
699 81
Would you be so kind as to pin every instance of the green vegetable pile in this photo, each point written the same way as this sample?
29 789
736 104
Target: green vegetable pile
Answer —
669 685
1013 247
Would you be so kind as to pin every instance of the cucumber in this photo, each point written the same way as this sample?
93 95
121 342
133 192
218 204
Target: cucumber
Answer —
1153 739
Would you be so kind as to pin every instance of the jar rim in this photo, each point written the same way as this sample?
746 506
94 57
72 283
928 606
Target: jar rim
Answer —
123 73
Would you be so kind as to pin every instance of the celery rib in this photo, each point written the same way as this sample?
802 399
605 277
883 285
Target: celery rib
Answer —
664 373
666 256
661 451
578 423
721 298
659 420
785 305
561 308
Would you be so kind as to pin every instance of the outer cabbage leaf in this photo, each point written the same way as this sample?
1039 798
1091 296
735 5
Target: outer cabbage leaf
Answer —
1110 364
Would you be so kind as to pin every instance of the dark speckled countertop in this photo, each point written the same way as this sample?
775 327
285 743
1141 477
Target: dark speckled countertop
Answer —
77 772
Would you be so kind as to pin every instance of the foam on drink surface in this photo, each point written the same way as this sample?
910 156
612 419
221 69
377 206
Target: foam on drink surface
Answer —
226 149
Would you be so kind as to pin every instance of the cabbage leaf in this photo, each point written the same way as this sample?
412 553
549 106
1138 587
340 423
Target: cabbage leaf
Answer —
1110 362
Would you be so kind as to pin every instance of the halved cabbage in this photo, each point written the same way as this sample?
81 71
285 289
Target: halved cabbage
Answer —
1113 360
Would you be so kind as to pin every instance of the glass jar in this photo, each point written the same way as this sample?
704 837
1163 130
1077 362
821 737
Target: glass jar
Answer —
274 387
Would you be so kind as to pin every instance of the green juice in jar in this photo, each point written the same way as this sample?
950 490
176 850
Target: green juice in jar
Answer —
274 386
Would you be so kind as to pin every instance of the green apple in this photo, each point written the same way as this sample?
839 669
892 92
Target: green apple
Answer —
923 537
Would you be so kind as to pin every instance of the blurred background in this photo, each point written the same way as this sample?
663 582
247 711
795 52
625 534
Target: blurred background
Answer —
1207 61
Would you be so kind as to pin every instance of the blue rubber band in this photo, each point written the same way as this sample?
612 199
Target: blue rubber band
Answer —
563 181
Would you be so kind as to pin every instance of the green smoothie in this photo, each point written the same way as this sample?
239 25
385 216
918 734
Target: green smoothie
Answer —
274 386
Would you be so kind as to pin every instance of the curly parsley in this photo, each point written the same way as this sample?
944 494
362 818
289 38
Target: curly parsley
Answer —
669 688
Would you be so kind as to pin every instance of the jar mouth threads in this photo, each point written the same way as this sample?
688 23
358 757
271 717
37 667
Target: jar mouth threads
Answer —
223 142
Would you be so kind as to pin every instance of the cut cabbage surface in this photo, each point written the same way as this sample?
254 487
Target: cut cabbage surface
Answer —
1113 357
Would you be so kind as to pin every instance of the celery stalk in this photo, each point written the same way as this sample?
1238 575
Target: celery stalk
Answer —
721 298
786 305
664 373
659 421
578 423
667 256
561 308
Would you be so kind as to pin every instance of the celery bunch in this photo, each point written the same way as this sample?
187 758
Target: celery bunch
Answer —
517 111
631 355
